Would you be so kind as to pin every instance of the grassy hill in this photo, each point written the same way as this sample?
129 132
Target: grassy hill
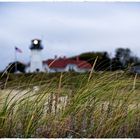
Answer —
101 105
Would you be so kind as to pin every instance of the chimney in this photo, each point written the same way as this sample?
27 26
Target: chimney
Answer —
55 57
77 58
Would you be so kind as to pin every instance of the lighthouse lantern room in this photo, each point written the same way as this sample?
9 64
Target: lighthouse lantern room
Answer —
36 59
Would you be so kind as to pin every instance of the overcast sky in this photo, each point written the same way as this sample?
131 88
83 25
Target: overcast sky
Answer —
68 28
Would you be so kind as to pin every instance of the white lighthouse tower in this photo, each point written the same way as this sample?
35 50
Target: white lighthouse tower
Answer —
36 59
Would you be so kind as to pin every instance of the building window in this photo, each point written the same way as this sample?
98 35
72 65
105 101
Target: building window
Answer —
37 70
71 68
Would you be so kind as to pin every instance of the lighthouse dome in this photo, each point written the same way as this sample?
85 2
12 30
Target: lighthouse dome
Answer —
36 44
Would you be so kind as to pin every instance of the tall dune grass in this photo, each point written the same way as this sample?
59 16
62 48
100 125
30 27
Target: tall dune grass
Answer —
70 105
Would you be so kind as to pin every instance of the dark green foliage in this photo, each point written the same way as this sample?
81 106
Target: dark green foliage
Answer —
122 60
103 62
16 66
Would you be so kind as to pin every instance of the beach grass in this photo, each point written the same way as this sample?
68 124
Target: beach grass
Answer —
70 105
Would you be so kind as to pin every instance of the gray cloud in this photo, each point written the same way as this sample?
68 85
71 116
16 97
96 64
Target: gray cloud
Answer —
68 28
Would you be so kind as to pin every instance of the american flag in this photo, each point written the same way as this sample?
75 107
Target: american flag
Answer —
18 50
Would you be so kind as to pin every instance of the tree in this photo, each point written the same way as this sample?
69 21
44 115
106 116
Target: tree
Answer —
116 64
103 62
123 55
15 66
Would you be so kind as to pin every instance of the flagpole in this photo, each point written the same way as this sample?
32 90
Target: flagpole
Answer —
15 60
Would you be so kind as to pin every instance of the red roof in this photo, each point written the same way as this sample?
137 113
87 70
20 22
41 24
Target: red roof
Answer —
63 62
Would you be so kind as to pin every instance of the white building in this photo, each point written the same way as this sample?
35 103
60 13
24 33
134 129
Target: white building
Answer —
64 64
36 57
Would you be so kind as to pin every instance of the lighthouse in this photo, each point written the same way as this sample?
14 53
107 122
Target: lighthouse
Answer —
36 58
